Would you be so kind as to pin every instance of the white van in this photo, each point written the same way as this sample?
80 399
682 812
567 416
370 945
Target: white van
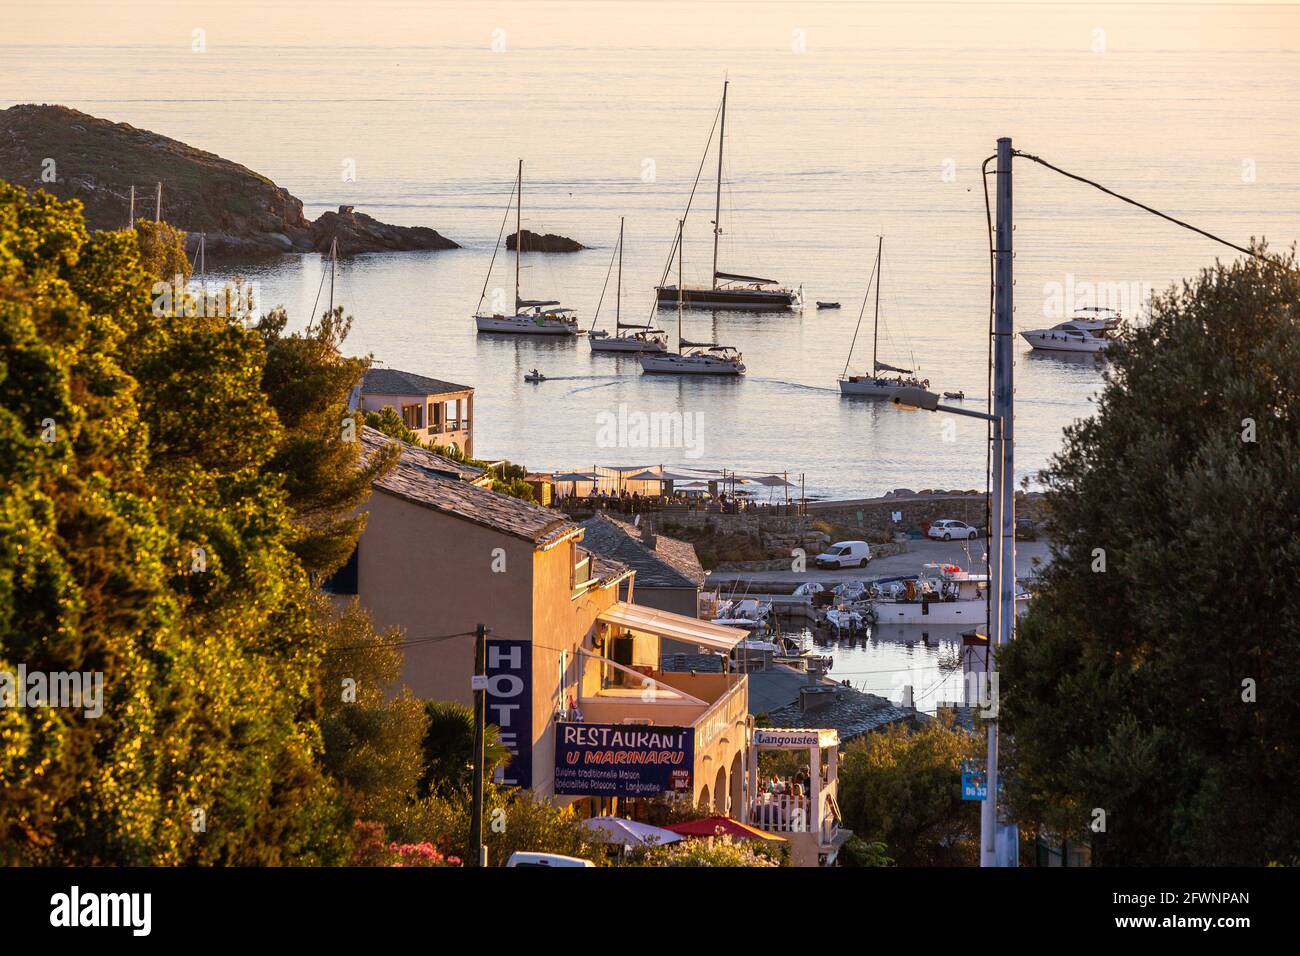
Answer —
845 554
545 859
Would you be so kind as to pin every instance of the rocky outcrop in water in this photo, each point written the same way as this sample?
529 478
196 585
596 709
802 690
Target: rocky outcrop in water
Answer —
241 213
547 243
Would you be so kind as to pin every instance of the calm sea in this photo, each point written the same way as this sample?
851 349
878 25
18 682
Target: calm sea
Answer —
845 122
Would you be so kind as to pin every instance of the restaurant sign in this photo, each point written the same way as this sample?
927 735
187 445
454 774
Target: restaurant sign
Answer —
623 760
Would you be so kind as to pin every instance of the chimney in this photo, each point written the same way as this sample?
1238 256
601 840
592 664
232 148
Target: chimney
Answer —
648 534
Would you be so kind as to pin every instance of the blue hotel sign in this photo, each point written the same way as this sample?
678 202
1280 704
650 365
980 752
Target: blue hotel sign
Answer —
510 707
623 760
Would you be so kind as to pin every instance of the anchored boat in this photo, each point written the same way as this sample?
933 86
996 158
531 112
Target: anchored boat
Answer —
626 337
693 358
530 316
876 385
1091 330
730 290
940 594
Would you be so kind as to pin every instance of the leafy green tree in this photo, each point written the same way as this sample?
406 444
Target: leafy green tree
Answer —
1155 677
146 536
902 788
391 424
372 741
162 250
513 821
448 749
308 382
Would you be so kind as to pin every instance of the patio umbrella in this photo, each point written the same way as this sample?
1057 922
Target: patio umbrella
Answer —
710 826
629 832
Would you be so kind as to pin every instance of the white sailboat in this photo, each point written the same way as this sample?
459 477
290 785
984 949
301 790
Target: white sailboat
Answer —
729 290
530 316
693 358
876 385
626 337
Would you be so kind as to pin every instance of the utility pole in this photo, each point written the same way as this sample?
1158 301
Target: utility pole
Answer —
1002 547
479 683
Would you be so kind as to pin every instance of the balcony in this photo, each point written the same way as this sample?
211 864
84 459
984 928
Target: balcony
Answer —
612 694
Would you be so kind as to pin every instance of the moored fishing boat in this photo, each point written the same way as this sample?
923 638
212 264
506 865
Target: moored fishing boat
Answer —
940 594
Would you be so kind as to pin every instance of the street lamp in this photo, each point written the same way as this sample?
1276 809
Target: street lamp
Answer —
1001 557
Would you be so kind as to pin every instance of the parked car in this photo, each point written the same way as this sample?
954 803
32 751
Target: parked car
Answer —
546 859
947 529
845 554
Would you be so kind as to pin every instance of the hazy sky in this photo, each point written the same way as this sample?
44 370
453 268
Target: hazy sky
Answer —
630 23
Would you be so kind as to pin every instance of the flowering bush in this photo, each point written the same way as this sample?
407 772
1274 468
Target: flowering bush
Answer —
711 851
370 849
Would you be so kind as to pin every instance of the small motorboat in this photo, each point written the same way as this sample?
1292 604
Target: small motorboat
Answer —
957 395
828 305
534 376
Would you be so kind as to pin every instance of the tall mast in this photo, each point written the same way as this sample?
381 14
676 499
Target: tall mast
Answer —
875 332
519 218
618 297
717 196
334 258
681 224
157 209
130 221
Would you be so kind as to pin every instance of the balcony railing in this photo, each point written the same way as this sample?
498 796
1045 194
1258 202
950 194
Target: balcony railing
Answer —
726 710
784 813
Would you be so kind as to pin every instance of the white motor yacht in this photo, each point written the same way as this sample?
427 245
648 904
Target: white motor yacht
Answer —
1091 330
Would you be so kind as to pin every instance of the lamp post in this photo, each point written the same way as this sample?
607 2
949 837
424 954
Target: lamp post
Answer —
1001 556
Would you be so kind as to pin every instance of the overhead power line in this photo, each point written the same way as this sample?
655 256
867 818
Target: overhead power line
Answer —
1143 206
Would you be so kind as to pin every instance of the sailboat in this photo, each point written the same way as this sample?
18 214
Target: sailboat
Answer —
530 316
693 358
643 339
730 290
875 385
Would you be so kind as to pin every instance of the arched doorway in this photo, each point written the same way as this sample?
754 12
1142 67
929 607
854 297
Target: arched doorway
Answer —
737 785
720 791
705 803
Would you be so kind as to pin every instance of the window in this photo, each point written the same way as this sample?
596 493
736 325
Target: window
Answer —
413 415
345 579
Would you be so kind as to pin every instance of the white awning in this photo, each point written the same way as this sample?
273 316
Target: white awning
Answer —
677 627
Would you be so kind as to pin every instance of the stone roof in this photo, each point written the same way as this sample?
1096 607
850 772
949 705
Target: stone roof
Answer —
671 564
392 381
432 481
851 712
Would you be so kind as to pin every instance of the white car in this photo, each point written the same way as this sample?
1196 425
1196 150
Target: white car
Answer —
845 554
946 530
545 859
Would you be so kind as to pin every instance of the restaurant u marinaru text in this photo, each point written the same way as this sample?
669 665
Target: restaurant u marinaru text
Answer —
627 746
